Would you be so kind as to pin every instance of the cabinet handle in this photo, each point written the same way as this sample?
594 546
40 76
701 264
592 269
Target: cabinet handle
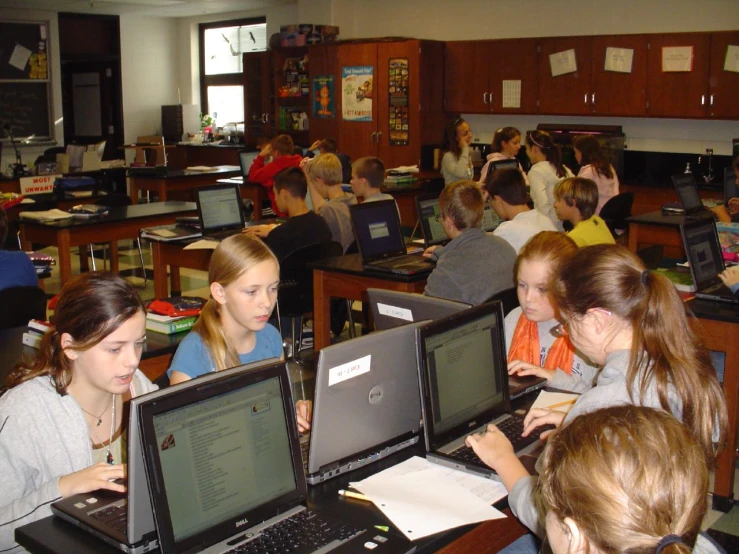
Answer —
712 100
379 136
703 99
372 138
586 98
592 99
264 116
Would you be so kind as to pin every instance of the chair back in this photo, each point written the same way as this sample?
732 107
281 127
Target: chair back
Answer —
509 298
20 304
616 210
295 295
150 155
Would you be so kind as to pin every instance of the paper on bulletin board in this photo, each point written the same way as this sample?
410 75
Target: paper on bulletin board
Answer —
19 57
511 94
676 59
619 60
563 62
356 92
731 63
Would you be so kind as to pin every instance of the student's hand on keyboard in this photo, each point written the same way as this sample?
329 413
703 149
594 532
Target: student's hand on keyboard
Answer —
95 477
519 367
730 276
542 416
258 230
430 250
492 447
304 414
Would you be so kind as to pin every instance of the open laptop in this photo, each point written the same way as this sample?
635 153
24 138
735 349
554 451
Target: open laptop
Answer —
380 241
371 379
464 378
223 464
706 261
687 192
393 308
124 521
433 232
220 211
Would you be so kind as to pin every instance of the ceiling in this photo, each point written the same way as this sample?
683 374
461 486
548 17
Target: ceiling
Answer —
154 8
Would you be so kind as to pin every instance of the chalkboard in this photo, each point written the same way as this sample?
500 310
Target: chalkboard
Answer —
23 53
25 108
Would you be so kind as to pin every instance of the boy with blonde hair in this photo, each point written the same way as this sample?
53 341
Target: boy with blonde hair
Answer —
575 200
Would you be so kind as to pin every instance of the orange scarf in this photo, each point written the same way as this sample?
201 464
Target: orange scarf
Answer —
525 347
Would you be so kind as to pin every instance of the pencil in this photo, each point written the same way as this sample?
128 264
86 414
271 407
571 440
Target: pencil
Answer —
560 404
355 495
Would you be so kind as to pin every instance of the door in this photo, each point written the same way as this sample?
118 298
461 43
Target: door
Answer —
466 76
564 79
724 81
257 96
619 88
682 93
513 68
358 137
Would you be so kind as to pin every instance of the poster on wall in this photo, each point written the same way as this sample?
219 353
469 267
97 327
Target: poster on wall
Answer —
323 97
619 60
677 59
398 92
562 63
356 86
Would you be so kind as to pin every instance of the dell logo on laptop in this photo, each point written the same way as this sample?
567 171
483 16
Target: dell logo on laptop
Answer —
241 522
375 394
472 424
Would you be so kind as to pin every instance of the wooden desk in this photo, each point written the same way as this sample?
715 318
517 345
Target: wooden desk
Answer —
120 224
655 228
344 277
172 254
719 331
181 182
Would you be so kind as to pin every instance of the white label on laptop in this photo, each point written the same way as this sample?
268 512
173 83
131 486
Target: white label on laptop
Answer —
349 370
395 311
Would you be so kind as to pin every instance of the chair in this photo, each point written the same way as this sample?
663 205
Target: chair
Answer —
295 294
150 155
20 304
615 211
509 298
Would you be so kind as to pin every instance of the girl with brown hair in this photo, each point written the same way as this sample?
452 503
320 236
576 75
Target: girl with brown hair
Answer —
456 163
61 415
596 167
505 146
546 171
232 329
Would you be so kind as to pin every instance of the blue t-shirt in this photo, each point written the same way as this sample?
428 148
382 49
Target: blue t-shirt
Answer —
16 270
193 357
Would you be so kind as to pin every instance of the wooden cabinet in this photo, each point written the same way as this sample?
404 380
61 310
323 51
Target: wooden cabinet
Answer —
257 96
475 71
682 93
570 93
291 108
723 102
617 93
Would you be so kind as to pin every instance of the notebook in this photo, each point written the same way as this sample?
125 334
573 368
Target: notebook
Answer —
706 261
374 379
220 211
464 378
687 192
223 463
124 521
731 190
380 241
393 308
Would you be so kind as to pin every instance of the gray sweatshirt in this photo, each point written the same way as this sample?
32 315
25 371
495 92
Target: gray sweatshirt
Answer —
43 436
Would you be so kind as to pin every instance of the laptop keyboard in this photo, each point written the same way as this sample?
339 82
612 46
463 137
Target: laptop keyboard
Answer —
115 516
304 532
512 428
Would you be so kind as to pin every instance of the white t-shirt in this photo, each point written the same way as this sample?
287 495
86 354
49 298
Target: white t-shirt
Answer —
521 228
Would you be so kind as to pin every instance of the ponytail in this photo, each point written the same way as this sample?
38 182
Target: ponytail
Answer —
551 151
210 328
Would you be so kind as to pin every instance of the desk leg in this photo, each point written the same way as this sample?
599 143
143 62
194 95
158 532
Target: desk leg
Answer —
162 190
321 312
174 280
723 488
65 256
114 257
133 191
160 271
633 236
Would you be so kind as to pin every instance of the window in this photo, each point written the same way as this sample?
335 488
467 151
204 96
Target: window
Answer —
222 44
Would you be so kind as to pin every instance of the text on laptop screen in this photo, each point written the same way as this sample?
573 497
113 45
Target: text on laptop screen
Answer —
461 372
220 208
687 191
704 253
223 456
377 228
433 230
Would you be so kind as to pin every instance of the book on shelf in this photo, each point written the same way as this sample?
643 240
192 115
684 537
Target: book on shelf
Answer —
174 325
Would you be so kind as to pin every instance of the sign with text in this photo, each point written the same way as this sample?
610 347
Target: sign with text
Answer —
356 86
39 184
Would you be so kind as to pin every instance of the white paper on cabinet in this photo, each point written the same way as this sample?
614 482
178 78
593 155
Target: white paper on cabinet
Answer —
511 94
677 59
619 60
563 62
731 63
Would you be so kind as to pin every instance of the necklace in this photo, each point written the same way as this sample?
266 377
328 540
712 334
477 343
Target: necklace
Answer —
100 417
109 457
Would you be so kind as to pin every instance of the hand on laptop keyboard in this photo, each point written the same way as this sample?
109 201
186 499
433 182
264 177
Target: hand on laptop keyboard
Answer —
538 417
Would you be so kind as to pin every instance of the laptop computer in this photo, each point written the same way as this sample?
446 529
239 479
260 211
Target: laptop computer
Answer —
380 241
374 379
503 164
223 464
687 192
124 521
220 211
393 308
731 190
464 377
706 261
433 232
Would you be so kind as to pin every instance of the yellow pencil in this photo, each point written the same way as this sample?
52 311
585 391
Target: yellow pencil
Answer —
560 404
355 495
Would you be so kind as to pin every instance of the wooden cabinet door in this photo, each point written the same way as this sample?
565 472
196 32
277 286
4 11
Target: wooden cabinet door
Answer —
723 100
257 95
678 94
466 76
357 138
567 94
615 92
323 60
514 60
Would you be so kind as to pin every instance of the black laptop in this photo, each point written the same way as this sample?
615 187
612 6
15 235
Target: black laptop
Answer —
706 261
432 230
687 191
380 241
220 211
225 474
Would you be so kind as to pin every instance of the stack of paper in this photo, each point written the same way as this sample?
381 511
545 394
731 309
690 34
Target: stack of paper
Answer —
47 215
560 401
422 498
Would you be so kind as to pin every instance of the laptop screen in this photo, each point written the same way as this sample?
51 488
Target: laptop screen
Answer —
462 362
704 253
503 164
433 231
219 208
490 220
731 190
687 191
245 161
377 229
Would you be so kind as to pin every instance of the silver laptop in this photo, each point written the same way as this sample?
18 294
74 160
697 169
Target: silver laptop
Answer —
464 386
223 464
393 308
220 211
706 261
366 405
